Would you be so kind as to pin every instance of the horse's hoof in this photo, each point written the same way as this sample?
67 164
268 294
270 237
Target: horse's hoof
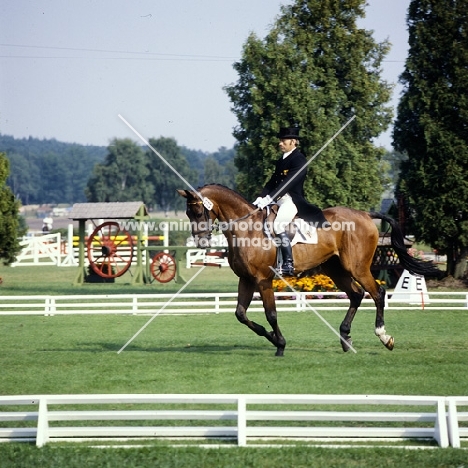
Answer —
390 343
346 344
279 352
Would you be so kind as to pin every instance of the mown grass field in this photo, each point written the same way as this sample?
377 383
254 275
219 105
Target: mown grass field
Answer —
216 354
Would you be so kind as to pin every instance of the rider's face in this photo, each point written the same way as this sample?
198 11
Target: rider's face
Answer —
287 144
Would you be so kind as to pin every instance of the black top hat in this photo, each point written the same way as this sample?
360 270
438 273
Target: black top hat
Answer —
289 132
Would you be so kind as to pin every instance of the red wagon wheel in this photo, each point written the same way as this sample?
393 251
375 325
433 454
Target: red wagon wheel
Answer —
163 267
105 250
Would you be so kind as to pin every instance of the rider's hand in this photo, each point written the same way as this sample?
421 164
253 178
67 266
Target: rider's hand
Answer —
263 202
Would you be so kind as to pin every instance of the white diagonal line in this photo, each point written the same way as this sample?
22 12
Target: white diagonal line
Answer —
316 313
181 177
160 310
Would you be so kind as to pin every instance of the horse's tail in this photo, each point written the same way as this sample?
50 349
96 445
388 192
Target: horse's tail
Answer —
413 265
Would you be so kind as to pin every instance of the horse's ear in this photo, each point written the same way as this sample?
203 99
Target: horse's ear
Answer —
183 193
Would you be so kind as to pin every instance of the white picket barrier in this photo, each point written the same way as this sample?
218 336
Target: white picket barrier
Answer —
199 257
455 430
193 303
50 249
312 417
40 250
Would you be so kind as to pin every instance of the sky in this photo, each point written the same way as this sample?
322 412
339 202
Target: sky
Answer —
68 69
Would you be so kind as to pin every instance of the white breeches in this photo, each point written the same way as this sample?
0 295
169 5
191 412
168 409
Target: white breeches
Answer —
286 212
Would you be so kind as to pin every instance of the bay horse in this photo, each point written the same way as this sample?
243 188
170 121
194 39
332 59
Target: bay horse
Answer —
343 254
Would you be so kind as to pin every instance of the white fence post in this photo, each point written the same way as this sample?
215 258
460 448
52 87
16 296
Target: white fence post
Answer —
452 422
241 422
49 306
440 429
70 260
42 436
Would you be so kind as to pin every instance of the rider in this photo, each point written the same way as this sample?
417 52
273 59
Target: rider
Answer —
286 188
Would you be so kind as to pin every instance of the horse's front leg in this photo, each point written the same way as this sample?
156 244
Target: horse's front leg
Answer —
245 294
269 304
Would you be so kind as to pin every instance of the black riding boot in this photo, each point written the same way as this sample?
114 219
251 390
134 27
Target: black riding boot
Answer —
286 251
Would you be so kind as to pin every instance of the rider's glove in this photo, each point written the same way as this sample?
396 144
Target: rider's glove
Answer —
262 202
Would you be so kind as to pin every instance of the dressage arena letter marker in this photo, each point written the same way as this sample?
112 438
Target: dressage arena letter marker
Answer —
411 289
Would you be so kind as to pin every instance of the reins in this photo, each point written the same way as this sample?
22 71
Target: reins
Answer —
245 216
217 215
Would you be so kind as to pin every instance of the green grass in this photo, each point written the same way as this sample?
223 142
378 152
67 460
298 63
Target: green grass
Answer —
21 456
216 354
27 280
164 457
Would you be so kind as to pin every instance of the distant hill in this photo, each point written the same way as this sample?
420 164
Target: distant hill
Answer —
53 172
49 171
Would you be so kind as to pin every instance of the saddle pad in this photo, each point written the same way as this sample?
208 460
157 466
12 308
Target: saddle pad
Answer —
305 233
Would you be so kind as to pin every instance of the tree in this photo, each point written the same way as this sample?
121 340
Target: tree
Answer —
432 128
316 69
79 161
24 178
48 171
9 217
164 181
225 158
391 166
220 169
55 172
123 175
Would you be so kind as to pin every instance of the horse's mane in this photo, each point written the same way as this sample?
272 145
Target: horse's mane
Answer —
232 193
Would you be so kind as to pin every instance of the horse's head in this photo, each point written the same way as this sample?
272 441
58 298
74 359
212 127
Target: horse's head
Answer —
201 221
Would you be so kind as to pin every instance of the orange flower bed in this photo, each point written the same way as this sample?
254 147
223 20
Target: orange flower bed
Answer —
316 283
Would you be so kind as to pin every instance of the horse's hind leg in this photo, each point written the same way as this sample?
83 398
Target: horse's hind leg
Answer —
246 290
378 293
345 283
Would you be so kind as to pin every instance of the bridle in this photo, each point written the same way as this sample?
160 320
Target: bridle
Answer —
207 220
206 233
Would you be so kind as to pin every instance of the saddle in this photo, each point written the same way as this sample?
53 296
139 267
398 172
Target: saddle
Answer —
298 230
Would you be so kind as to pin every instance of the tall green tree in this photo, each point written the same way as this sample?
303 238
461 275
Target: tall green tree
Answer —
57 176
432 128
24 179
219 170
316 69
391 167
164 180
9 217
49 171
122 176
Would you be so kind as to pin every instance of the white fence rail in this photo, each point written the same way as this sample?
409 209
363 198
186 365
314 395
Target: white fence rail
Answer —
241 417
40 250
50 249
199 257
192 303
455 416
